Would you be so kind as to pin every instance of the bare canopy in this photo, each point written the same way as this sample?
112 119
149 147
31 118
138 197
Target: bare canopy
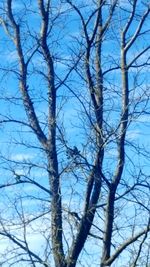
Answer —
74 160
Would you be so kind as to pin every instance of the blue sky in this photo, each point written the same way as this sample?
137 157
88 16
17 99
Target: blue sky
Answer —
71 116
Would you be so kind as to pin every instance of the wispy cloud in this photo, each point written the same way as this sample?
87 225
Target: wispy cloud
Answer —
22 157
133 134
113 152
144 118
11 56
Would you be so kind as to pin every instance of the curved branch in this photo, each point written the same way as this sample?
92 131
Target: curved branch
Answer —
136 34
25 248
130 18
23 79
138 56
124 246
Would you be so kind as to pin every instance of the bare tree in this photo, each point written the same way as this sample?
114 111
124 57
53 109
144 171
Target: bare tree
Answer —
74 91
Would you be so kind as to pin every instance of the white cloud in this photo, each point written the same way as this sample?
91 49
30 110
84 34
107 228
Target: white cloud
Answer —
133 134
124 3
16 5
113 152
22 157
20 172
11 56
34 235
144 118
3 245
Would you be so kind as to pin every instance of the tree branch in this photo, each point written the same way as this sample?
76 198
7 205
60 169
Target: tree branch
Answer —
26 249
138 56
125 245
23 79
136 34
